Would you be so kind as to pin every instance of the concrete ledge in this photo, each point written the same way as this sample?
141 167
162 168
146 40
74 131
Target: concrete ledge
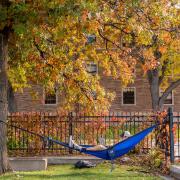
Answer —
175 171
72 159
28 164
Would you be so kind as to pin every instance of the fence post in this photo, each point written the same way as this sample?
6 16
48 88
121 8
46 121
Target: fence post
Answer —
170 114
70 118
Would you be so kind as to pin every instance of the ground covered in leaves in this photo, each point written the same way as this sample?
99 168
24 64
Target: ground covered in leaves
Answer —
68 172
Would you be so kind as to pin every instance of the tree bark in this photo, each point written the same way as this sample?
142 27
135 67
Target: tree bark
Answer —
172 86
153 77
4 35
3 100
12 106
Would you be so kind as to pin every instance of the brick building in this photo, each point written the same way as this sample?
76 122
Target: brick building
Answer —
134 98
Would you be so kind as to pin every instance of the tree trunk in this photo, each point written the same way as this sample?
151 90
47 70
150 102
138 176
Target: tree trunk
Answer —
153 77
3 100
157 100
12 106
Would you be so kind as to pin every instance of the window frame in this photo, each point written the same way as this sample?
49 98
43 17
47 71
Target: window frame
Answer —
44 98
122 97
91 62
160 90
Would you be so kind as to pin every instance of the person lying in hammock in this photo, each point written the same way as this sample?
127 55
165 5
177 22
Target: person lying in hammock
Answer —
72 144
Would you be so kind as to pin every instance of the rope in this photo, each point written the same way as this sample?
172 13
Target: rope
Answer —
45 138
112 166
24 130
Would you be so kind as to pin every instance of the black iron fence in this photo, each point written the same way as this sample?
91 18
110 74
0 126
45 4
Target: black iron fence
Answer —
85 129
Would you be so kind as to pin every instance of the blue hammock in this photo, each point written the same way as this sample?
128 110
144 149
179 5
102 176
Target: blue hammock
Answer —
114 151
110 153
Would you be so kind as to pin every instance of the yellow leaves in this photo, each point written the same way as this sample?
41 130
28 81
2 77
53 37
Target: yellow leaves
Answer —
61 39
144 37
148 53
165 37
18 78
175 44
34 94
156 20
118 68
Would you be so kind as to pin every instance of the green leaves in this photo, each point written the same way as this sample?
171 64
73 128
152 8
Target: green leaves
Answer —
3 14
19 7
3 17
19 29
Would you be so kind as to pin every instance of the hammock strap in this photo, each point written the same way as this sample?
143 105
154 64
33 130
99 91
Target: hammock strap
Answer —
25 130
44 138
112 165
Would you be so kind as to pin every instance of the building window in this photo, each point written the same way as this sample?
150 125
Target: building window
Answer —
92 67
50 97
91 38
169 99
128 96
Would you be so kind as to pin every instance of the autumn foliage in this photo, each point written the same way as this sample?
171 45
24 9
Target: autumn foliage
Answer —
50 43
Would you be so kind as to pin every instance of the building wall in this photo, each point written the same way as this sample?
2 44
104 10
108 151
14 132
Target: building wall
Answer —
177 99
25 101
142 95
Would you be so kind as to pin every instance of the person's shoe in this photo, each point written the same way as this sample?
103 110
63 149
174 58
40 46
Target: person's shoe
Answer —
70 142
76 146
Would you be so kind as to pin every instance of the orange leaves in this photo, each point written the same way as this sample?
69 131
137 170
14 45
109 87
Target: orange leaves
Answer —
84 15
148 31
166 37
174 129
163 49
150 60
37 40
161 116
156 20
150 64
62 49
127 30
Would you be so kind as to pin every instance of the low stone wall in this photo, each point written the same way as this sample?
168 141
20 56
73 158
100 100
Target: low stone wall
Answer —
72 159
40 163
175 171
28 164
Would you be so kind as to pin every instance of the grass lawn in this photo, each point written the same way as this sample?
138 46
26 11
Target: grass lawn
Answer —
68 172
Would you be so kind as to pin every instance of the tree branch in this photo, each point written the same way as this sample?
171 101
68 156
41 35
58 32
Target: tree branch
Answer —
42 54
108 40
172 86
82 88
